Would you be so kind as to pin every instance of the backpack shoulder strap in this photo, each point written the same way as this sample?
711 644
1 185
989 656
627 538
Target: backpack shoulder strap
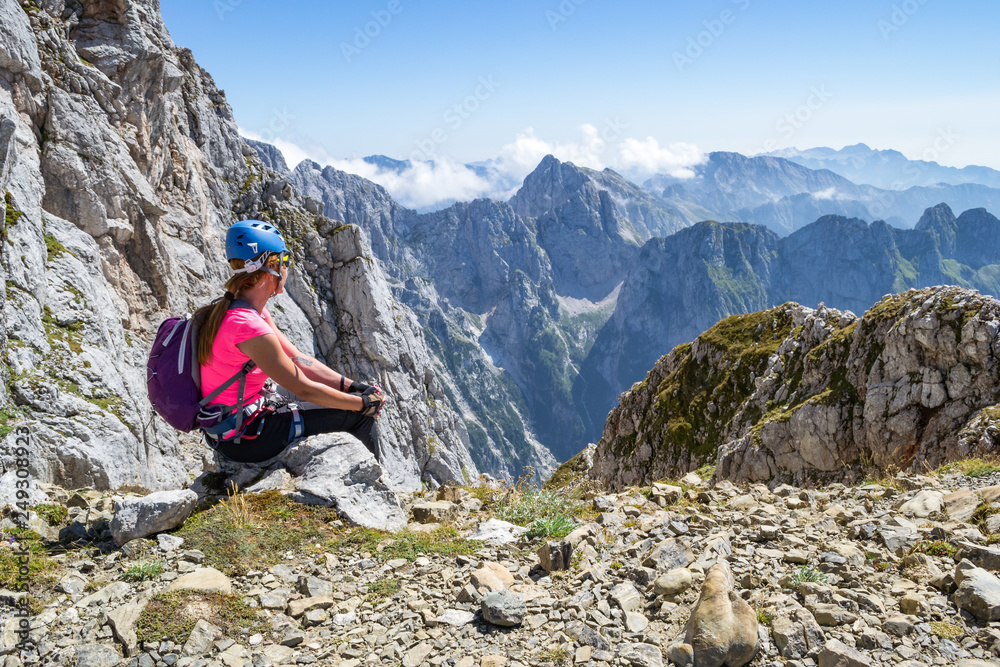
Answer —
239 375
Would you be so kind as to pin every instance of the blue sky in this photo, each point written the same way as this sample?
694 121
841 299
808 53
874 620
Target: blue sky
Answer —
656 81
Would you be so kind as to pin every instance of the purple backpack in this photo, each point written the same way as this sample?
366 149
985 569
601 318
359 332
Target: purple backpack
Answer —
173 377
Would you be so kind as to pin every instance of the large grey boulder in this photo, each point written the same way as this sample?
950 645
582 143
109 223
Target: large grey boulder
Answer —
141 517
923 504
503 608
9 490
978 591
337 471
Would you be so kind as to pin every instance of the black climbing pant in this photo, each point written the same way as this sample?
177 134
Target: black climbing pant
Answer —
274 431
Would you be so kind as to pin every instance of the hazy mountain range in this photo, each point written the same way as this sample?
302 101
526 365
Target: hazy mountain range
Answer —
890 169
542 309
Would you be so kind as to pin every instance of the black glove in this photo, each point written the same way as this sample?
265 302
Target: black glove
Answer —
358 388
372 402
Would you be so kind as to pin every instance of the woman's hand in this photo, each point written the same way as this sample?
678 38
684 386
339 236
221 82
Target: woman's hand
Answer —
373 400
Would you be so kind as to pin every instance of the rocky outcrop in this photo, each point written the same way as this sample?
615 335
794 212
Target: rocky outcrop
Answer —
121 167
796 394
680 285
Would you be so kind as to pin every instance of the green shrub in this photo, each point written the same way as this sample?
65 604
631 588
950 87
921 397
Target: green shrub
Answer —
806 573
143 570
935 548
559 525
54 515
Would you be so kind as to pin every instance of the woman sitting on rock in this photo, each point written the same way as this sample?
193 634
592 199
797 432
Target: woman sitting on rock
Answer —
237 333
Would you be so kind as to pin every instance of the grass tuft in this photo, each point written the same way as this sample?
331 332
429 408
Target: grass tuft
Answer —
946 630
143 570
806 573
405 544
521 503
975 467
560 654
554 526
172 615
54 515
39 563
765 617
383 588
255 531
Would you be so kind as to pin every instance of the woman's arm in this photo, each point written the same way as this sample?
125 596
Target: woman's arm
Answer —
311 367
268 353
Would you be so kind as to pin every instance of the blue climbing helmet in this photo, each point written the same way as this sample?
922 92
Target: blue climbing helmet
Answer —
253 241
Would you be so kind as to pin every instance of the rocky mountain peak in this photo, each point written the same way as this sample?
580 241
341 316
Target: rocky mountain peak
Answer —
938 217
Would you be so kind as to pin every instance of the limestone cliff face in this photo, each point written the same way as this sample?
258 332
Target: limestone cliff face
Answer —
812 396
121 168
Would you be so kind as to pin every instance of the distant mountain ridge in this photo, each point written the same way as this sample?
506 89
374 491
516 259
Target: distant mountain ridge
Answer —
889 169
785 196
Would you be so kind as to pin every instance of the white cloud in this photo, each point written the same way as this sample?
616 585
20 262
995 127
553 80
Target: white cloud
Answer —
522 155
647 156
293 152
427 185
829 193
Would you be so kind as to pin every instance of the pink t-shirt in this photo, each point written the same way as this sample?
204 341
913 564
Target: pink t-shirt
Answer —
239 324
